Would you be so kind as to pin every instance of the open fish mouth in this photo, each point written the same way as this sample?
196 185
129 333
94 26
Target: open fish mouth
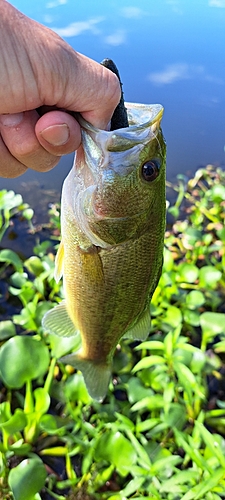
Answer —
144 120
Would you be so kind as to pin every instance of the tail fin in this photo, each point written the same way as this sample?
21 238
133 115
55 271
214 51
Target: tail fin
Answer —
96 375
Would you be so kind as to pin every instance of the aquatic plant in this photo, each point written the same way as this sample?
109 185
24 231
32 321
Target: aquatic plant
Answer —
160 433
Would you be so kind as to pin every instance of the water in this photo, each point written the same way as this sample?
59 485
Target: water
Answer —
168 51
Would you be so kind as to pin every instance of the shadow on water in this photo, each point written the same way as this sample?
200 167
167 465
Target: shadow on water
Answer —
39 188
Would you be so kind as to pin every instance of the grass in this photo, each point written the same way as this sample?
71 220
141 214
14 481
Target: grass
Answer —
160 433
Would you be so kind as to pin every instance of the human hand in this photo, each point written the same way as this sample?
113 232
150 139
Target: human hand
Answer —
40 70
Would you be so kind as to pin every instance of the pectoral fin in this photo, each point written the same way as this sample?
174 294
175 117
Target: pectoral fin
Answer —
96 375
59 263
57 321
141 329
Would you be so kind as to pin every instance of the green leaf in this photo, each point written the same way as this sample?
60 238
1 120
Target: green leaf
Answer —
34 265
18 279
191 317
118 496
183 477
20 448
191 236
168 345
174 211
163 464
9 200
54 425
75 389
22 359
221 234
12 258
5 412
150 403
39 285
117 450
175 417
192 452
146 425
27 479
7 329
48 424
188 380
173 316
26 318
150 344
62 345
16 422
140 450
41 248
168 262
148 362
212 323
211 443
135 390
28 213
195 299
41 309
42 400
219 346
198 361
125 423
209 276
133 486
199 491
217 193
187 272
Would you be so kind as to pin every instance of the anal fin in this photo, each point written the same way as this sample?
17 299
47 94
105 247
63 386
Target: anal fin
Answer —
141 329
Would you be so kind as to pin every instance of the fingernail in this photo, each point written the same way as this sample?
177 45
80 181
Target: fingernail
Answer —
56 135
11 120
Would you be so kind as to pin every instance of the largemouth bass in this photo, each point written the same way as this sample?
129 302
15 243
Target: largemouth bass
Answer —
110 255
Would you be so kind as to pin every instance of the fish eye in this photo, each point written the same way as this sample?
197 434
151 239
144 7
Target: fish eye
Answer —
150 170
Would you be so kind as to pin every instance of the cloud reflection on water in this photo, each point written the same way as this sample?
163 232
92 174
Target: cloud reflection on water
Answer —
55 3
116 38
176 6
78 27
132 12
217 3
170 74
182 71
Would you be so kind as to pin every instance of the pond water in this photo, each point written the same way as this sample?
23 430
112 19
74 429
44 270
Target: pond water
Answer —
168 51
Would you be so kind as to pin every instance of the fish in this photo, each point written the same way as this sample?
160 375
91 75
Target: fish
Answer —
112 237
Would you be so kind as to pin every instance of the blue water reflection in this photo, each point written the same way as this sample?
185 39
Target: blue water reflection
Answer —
167 51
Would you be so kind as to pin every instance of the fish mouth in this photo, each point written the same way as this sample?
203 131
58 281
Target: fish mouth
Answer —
139 116
144 121
99 145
